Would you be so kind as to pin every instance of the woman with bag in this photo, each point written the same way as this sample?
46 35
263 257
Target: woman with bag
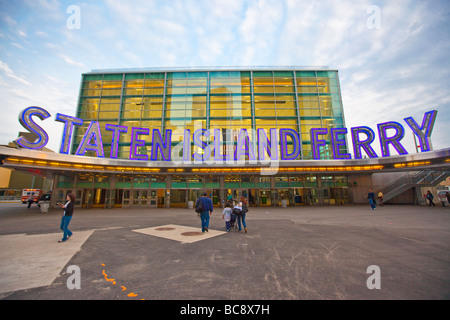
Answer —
242 215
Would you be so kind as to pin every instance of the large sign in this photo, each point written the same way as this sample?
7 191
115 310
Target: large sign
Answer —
269 144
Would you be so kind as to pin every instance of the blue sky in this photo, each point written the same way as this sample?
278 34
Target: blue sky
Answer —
391 66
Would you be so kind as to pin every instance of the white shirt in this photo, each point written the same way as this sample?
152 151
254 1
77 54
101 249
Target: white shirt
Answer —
65 207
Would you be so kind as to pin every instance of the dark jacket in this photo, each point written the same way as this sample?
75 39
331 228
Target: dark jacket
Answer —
207 204
69 209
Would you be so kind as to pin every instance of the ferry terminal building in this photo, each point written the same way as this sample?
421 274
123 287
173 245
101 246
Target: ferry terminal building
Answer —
159 138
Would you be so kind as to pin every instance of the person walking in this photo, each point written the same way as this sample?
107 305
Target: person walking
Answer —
430 198
241 217
380 197
67 216
207 209
371 197
30 201
447 194
226 215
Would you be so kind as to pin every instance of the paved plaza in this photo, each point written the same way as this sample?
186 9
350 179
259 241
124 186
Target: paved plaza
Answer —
299 253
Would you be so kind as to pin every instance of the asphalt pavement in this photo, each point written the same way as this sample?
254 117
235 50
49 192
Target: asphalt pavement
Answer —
295 253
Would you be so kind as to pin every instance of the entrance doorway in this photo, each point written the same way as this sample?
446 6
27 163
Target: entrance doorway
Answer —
140 198
282 197
265 197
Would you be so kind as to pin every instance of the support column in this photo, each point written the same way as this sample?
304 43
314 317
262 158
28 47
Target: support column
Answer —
167 191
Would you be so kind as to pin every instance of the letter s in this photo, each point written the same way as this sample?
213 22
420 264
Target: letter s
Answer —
25 119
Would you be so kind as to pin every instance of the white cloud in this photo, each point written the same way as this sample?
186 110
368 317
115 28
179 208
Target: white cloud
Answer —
72 62
10 74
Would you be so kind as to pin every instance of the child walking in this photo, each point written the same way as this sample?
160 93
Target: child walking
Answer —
226 215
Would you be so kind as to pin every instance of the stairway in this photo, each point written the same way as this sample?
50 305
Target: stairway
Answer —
423 178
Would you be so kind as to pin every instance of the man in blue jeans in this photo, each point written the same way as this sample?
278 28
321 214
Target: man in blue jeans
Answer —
207 211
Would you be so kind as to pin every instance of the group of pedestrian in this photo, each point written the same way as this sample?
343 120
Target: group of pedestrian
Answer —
442 197
373 201
204 208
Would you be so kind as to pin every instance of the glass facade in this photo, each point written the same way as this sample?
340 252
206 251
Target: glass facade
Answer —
215 99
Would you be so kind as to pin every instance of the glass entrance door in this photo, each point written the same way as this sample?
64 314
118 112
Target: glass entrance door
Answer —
140 198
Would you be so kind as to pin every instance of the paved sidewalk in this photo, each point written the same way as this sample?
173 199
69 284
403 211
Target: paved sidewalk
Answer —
288 253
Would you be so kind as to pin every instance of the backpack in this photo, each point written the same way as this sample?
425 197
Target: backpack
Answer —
199 206
236 211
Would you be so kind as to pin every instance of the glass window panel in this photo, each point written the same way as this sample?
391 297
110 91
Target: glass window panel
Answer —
154 76
115 76
176 90
154 91
92 77
288 74
285 97
219 105
262 81
112 84
135 101
178 82
196 90
154 99
305 74
308 104
264 97
132 76
265 112
131 114
330 74
262 74
220 113
133 92
177 75
151 113
87 92
307 89
108 115
152 124
219 82
265 104
308 97
198 112
134 83
284 89
219 98
197 74
265 122
176 113
154 82
286 112
286 122
263 89
201 99
89 105
306 81
111 92
92 84
219 74
88 115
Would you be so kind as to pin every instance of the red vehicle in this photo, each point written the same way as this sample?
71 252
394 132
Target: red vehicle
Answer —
35 193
